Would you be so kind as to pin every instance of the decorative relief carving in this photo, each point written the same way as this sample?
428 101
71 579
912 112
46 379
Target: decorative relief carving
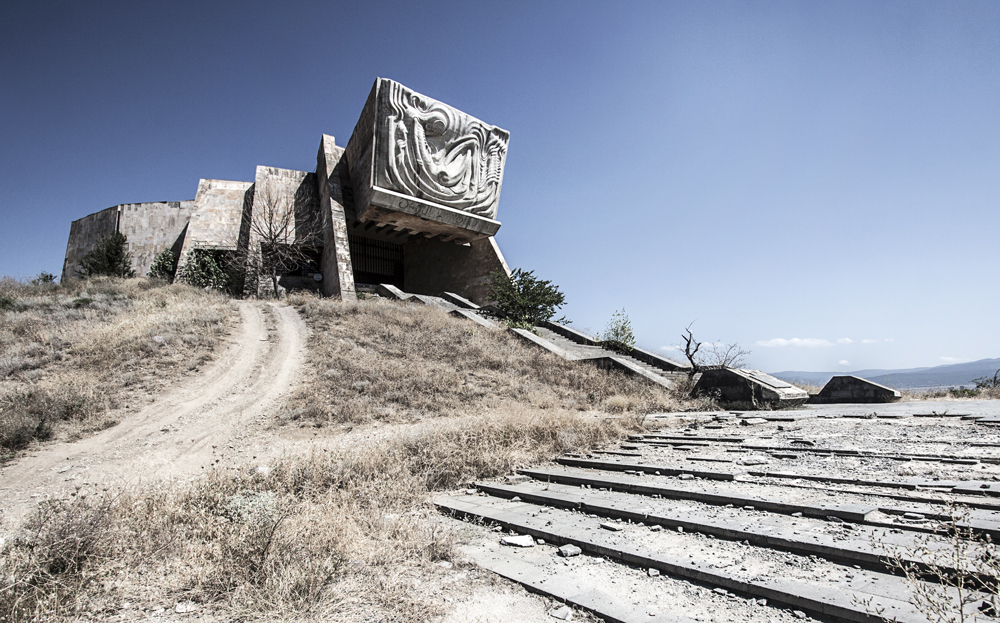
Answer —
440 154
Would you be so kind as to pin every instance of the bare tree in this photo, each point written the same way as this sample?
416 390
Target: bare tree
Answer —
716 355
691 347
725 355
284 231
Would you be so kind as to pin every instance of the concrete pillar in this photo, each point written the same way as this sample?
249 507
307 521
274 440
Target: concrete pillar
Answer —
338 274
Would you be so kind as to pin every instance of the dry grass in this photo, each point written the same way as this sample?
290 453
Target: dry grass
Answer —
70 355
378 360
348 532
336 535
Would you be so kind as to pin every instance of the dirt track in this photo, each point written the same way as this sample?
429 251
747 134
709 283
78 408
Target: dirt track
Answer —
197 423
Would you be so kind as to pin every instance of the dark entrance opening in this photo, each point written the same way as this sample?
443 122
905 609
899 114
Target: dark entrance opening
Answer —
376 261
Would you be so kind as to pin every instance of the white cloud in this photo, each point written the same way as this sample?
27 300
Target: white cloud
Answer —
844 362
808 342
845 340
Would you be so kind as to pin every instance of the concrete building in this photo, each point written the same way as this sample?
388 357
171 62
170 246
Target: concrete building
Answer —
410 201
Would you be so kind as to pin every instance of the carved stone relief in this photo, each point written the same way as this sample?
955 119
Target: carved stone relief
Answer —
437 153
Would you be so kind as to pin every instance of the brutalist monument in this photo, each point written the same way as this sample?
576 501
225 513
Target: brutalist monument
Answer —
410 201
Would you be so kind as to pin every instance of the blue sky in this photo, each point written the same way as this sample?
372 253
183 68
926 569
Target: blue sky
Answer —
816 181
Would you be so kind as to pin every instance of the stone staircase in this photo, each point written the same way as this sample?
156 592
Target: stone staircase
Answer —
558 339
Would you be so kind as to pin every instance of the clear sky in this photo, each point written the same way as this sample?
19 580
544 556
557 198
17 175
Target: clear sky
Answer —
817 181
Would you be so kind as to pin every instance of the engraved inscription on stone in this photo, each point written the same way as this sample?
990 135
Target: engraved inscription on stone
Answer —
440 154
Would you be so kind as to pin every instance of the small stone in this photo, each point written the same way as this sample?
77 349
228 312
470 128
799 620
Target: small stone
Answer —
834 519
748 508
720 591
680 528
796 514
516 498
686 476
540 541
761 602
799 614
570 550
563 613
612 527
470 492
185 606
444 564
655 528
524 540
913 516
653 572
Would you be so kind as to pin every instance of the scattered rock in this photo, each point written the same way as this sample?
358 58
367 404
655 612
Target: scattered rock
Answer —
653 572
913 516
570 550
612 527
655 528
720 591
686 476
799 614
183 607
563 613
524 540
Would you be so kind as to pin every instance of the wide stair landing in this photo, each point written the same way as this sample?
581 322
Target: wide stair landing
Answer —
582 352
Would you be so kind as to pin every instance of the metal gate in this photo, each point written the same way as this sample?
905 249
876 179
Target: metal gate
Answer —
376 261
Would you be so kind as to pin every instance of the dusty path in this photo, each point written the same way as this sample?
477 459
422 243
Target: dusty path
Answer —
199 422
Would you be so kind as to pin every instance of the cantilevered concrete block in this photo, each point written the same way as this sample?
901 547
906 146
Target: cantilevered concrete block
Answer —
750 387
419 164
852 389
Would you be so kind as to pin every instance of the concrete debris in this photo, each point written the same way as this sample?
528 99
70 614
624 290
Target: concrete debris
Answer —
570 550
563 613
524 540
653 572
612 527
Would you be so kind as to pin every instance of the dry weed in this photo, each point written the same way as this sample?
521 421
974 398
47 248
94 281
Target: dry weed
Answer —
388 361
69 355
337 534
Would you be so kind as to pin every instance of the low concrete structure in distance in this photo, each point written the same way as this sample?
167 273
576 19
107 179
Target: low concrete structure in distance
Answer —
850 389
752 388
410 201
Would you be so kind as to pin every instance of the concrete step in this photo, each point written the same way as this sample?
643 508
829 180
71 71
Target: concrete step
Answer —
833 592
837 541
572 584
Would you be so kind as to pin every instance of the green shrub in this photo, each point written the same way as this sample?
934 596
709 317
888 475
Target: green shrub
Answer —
985 382
204 269
43 278
110 257
618 334
164 266
522 297
7 300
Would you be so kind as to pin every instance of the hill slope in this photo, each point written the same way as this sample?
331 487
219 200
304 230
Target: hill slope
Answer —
950 375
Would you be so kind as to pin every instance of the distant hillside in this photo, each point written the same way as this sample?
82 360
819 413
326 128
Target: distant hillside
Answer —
950 375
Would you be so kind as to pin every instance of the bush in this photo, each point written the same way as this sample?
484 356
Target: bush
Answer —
7 300
523 298
43 278
164 266
204 269
110 258
618 334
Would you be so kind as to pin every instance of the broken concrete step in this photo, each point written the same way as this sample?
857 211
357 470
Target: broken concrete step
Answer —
689 438
848 600
944 458
663 470
572 588
848 512
774 501
809 537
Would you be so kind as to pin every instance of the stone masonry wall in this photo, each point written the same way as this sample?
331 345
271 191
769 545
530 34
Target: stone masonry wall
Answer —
153 227
218 214
336 265
84 234
432 267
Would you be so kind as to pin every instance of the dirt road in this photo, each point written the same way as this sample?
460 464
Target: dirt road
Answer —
205 419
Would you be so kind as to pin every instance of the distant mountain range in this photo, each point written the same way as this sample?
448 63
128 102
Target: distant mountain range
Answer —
951 375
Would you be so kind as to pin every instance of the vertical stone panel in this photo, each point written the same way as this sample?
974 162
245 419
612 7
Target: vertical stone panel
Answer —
84 234
217 217
338 273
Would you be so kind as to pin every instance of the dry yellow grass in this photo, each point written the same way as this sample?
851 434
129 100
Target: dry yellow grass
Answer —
70 355
389 361
338 534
